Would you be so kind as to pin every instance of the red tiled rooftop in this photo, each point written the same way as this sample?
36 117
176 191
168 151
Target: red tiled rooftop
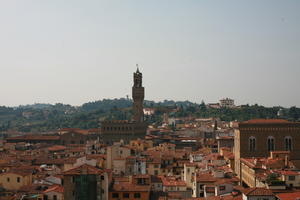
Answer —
258 192
265 121
205 178
34 137
171 181
19 172
55 188
83 169
290 173
289 196
57 148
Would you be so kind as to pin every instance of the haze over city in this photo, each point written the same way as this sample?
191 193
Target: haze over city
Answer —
73 53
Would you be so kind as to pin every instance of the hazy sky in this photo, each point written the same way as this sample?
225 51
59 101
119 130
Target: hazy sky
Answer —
78 51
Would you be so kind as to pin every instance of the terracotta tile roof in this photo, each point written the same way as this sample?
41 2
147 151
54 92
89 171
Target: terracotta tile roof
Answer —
171 181
214 156
229 197
83 169
228 155
57 148
258 192
142 176
34 137
225 138
289 173
252 162
60 161
226 180
18 172
55 188
80 131
289 196
77 149
206 178
265 121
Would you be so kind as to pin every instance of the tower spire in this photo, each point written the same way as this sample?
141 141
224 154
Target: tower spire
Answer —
137 68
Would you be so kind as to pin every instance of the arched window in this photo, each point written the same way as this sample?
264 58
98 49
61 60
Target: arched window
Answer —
288 143
252 144
271 143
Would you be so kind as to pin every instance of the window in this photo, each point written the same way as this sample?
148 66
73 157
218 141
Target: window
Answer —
18 179
45 197
126 195
252 144
271 144
7 179
115 195
137 195
54 197
288 143
222 187
102 177
291 178
84 179
155 172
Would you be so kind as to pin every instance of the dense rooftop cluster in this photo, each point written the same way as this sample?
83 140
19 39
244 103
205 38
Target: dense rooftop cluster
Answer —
184 158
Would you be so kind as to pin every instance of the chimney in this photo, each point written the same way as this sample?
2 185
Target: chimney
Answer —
255 161
286 161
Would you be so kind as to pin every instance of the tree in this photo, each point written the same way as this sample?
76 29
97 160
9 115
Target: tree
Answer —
202 106
294 113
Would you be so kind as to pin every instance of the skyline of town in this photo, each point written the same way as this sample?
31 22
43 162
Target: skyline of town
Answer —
149 100
152 155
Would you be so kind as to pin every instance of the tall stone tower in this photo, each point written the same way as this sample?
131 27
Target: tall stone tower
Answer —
138 93
116 130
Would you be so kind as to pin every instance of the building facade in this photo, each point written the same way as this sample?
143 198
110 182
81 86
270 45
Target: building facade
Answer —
85 183
260 137
227 103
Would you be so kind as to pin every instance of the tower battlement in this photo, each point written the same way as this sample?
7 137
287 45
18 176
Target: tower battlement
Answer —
116 130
